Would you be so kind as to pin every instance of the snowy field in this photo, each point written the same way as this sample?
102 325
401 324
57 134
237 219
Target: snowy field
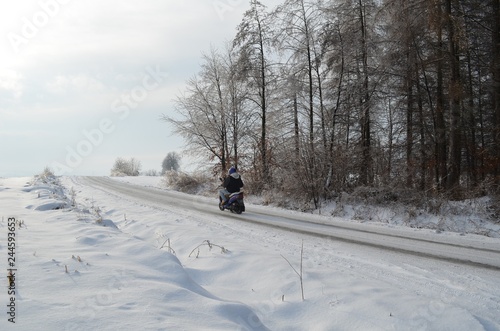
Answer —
89 258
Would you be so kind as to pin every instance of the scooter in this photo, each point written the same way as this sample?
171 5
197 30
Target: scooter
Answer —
234 203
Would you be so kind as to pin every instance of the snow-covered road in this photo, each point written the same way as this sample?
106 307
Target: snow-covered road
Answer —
457 249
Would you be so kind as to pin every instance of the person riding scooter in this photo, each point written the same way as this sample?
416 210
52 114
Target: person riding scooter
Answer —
231 184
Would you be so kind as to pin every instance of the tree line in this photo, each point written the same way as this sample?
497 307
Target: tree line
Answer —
132 167
322 96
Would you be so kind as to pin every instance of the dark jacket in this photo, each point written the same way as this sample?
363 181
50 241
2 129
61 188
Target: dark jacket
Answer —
233 183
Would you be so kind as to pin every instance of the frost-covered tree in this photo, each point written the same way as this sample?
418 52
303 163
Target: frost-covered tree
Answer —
171 162
210 112
296 41
123 167
252 44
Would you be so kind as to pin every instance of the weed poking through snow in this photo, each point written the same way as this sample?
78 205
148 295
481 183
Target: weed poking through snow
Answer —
165 242
210 246
300 274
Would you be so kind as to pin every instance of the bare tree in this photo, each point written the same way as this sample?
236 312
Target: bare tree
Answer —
210 112
251 44
123 167
297 38
171 162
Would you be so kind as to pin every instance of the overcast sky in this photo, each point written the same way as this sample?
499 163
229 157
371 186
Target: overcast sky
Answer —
84 82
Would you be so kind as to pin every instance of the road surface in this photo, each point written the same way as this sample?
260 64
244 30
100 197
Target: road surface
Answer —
455 249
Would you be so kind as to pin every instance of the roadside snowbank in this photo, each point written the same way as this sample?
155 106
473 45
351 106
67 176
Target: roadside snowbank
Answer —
79 272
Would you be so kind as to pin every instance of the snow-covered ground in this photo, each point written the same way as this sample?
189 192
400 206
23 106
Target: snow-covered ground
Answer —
107 261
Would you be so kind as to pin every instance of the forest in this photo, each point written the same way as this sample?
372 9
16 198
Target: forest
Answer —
312 98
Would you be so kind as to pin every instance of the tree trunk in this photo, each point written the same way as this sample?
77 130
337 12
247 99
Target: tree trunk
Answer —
366 166
409 121
441 159
421 124
296 132
496 87
263 142
455 98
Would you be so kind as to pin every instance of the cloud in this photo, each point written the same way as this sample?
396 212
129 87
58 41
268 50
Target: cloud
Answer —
80 82
11 82
89 55
41 134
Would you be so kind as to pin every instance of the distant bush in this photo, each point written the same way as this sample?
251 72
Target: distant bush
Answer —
46 176
193 184
152 173
122 167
